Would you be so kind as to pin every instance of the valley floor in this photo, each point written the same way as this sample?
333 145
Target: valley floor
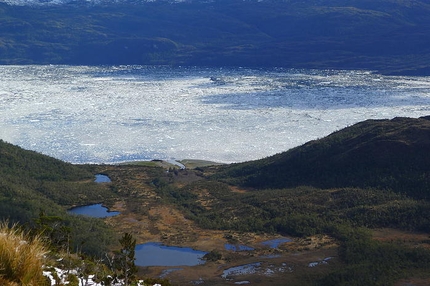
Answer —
149 219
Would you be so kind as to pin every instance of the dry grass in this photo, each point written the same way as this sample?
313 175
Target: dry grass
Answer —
409 238
21 257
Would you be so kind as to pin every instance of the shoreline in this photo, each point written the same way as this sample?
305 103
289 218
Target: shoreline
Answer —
169 163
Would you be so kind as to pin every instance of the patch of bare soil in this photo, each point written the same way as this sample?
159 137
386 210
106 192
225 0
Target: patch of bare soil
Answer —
409 238
413 282
237 190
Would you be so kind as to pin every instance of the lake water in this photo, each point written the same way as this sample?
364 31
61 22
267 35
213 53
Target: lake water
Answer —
157 254
237 247
274 243
102 179
84 114
96 210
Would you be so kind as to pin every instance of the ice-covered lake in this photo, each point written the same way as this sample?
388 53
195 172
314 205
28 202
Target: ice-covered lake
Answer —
110 114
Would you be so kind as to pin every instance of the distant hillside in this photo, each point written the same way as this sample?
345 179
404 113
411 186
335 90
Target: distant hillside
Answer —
385 154
32 183
30 165
390 36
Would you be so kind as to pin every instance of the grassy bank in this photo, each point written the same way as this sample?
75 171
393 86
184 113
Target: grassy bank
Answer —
21 257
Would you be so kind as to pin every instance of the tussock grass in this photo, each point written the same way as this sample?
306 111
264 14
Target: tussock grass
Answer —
21 257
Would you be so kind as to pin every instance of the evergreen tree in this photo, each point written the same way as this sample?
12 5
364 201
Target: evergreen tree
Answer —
126 259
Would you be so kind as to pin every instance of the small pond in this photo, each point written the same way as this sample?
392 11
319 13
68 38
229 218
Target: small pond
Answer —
102 179
274 243
237 247
157 254
96 210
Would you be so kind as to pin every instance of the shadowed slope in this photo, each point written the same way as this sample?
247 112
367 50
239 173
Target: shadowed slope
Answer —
392 154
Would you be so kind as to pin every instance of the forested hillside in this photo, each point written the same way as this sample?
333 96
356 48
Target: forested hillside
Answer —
374 174
384 35
386 154
35 187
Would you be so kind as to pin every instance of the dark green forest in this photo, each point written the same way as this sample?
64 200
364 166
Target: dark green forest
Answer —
389 36
384 154
35 186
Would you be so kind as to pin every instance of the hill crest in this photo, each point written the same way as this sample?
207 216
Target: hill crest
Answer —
389 154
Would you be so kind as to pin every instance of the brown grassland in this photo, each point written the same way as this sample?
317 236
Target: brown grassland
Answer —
21 257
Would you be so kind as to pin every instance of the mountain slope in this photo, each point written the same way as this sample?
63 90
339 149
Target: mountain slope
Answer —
32 182
385 35
389 154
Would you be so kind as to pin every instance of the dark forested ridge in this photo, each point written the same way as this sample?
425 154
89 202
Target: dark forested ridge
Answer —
386 154
32 184
63 183
384 35
30 165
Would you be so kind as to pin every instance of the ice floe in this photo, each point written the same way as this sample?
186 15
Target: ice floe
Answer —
84 114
